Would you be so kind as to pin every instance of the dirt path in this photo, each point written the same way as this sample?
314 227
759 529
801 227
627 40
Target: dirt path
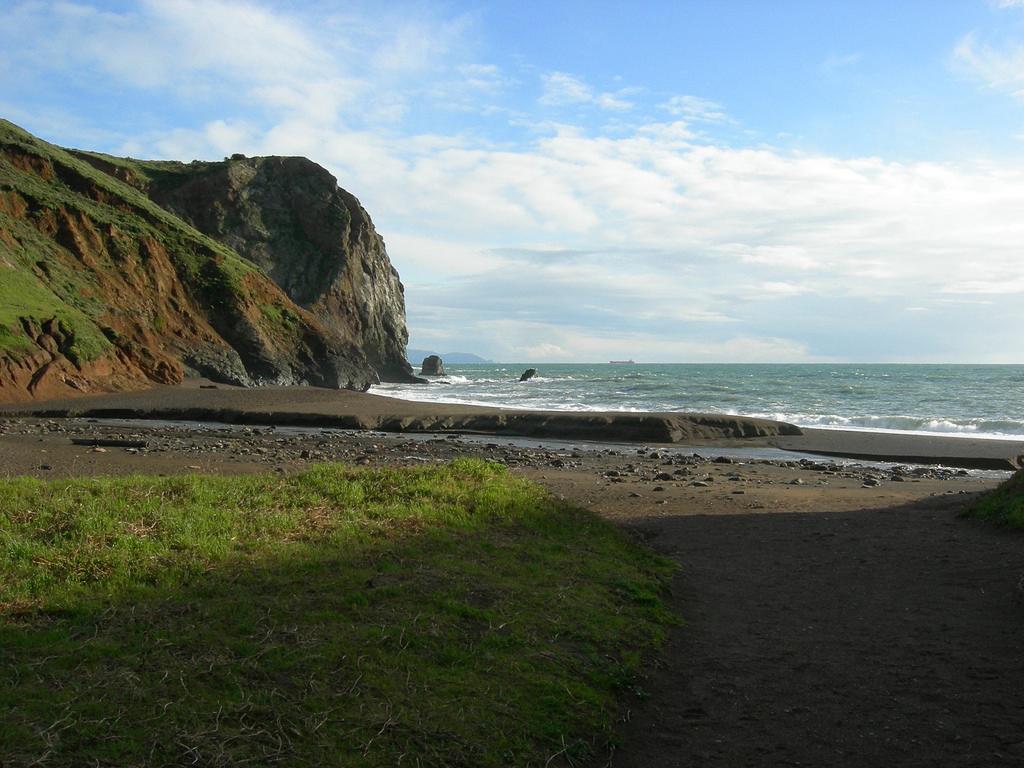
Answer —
881 637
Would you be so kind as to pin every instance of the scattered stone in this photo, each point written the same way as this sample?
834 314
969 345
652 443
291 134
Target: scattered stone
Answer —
662 476
108 442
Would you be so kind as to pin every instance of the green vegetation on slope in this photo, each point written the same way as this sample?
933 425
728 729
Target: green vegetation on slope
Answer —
212 269
453 616
1004 505
22 295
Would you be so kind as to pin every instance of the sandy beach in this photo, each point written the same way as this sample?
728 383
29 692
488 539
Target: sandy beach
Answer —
198 400
836 611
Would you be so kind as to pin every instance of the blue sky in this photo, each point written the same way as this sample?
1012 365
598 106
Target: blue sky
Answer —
583 181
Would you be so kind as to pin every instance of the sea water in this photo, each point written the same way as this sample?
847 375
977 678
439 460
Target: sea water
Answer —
968 400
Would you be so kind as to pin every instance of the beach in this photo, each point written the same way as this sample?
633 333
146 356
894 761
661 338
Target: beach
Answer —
311 407
835 609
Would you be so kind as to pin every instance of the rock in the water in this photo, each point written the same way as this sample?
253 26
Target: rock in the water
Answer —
432 366
528 374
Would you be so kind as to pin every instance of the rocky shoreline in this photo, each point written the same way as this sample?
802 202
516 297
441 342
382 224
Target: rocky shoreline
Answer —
315 408
74 446
342 409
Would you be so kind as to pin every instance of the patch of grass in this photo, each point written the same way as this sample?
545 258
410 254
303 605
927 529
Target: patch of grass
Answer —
1004 505
22 295
452 615
281 320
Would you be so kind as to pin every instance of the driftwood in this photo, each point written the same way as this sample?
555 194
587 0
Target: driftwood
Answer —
107 442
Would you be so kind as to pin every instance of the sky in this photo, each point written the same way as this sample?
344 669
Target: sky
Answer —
573 181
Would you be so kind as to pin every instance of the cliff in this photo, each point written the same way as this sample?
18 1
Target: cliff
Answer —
104 289
289 216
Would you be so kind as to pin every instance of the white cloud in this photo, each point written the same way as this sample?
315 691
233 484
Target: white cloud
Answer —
241 56
544 352
779 288
837 61
562 89
695 108
1002 69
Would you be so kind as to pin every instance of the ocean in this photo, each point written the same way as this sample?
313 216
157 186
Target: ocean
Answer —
969 400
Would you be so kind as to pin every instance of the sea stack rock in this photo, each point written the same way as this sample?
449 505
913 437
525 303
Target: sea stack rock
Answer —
432 366
528 374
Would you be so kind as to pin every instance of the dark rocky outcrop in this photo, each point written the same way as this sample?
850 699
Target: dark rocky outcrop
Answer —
528 374
432 366
314 239
101 289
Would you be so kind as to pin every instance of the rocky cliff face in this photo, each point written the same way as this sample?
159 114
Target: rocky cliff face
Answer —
289 216
102 289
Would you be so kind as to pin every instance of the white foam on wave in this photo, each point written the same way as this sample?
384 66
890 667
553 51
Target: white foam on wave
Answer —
424 394
399 392
908 425
511 395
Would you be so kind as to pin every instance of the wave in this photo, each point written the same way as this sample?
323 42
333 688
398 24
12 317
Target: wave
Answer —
1003 428
919 405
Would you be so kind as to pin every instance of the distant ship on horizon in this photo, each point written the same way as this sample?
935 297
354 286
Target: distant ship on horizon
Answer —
622 362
